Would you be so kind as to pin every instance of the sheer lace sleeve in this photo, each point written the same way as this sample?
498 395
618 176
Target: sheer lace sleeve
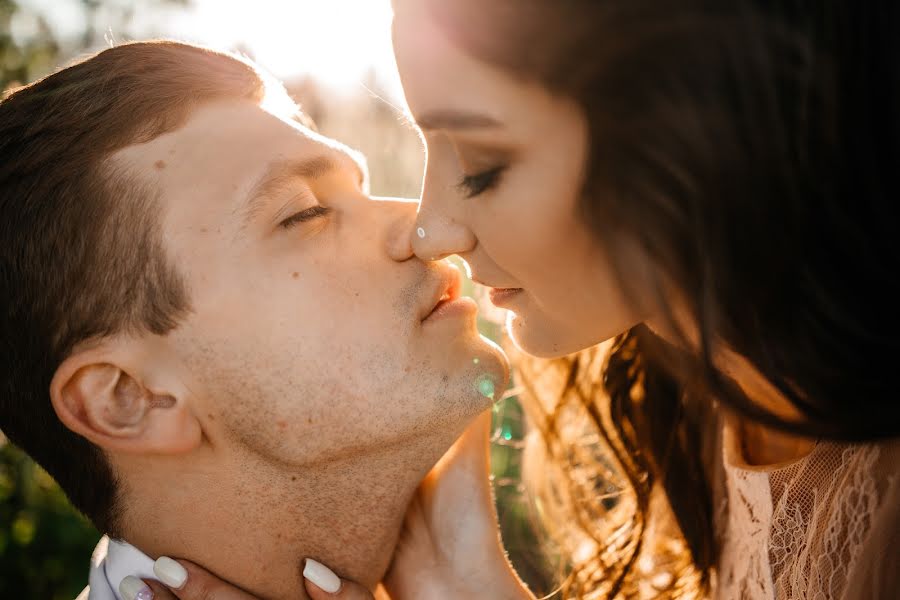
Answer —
823 527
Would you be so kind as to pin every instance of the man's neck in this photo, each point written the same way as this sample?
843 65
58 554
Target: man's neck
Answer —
256 529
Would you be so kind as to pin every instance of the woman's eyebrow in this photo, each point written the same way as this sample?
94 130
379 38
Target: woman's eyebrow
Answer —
455 119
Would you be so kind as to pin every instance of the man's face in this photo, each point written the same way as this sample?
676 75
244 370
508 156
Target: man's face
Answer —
307 340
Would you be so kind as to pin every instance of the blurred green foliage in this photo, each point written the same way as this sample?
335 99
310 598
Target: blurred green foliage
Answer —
30 46
45 545
20 58
519 523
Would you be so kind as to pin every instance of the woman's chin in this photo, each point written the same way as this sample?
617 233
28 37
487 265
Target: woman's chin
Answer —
543 338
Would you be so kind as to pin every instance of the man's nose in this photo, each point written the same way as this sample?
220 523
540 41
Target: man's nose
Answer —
436 236
400 222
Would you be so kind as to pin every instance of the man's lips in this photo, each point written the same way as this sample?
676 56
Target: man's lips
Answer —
446 291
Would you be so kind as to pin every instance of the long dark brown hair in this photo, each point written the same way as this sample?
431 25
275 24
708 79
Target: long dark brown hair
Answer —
751 149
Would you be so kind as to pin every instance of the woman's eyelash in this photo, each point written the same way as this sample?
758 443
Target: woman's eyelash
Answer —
305 215
474 185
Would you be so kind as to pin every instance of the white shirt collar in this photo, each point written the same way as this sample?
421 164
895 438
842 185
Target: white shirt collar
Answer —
112 561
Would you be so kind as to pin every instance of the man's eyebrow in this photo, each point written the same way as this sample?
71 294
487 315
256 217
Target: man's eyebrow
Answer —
455 119
281 173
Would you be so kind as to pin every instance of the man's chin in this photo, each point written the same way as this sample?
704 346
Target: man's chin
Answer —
498 360
486 377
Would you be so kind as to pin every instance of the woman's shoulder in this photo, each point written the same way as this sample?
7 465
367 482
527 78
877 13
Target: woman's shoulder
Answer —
820 524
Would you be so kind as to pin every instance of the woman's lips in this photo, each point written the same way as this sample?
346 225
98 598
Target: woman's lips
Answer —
501 296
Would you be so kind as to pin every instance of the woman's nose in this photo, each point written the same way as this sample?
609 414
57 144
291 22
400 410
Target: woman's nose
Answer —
437 236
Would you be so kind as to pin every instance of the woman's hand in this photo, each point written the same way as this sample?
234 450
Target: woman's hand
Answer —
450 545
183 580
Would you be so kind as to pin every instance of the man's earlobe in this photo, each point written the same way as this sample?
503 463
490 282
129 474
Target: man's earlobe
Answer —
112 408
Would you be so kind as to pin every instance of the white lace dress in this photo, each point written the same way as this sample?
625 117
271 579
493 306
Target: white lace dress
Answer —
826 526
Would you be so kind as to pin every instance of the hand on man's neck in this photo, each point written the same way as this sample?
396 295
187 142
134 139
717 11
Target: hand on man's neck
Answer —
254 525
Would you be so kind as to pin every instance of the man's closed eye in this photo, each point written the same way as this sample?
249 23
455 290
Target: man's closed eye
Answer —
305 216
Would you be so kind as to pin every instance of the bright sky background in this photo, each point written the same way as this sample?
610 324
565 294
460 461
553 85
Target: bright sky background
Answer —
336 41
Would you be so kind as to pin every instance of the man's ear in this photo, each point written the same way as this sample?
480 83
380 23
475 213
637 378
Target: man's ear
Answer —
102 394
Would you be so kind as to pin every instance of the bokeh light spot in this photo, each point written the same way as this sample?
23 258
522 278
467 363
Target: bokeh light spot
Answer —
485 386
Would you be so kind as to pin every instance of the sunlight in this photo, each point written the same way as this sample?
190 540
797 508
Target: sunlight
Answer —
337 42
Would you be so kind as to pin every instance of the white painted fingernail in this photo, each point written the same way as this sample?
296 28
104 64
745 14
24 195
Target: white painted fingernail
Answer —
133 588
322 576
170 572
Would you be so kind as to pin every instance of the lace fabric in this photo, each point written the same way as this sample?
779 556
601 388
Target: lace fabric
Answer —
823 527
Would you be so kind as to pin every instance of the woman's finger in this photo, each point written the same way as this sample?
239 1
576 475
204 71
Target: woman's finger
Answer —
183 580
160 592
133 588
323 584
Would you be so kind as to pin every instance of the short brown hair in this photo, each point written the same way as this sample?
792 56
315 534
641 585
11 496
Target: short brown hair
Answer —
81 256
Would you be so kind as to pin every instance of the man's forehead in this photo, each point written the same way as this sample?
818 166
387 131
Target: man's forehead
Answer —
225 147
226 126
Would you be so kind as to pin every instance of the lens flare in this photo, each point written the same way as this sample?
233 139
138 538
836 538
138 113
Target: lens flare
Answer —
485 386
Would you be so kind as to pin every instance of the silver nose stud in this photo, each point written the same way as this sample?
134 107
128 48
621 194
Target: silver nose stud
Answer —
421 233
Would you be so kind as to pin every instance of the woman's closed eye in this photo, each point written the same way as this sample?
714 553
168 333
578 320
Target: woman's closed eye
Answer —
305 216
477 184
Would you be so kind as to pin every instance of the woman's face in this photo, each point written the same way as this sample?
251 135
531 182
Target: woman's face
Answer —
502 188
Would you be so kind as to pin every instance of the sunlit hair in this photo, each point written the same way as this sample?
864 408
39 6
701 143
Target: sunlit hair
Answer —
601 421
750 149
81 252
